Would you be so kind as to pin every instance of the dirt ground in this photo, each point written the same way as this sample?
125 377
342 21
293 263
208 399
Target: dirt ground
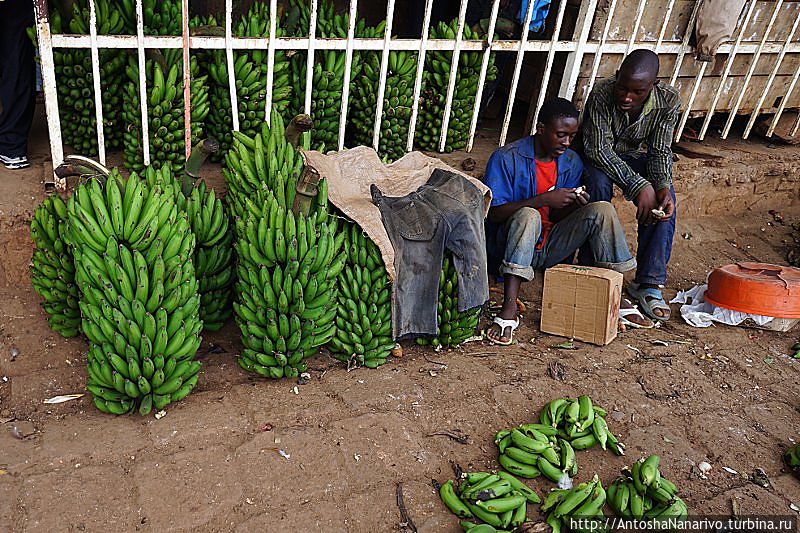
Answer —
728 396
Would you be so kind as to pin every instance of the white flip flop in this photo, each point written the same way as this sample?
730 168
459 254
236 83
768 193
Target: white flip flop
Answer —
513 324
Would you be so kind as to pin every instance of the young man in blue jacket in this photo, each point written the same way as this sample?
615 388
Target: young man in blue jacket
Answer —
540 215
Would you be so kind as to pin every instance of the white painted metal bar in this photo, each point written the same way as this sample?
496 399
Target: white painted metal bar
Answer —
549 64
273 30
348 67
768 86
311 45
637 22
685 44
98 93
387 38
663 31
598 53
785 98
517 69
423 44
692 96
142 83
50 94
451 82
229 60
728 64
487 54
187 82
796 125
575 59
751 70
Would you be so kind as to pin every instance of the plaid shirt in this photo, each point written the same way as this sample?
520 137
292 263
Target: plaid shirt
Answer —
609 134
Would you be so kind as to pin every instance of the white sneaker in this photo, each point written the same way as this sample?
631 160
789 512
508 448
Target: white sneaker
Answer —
14 163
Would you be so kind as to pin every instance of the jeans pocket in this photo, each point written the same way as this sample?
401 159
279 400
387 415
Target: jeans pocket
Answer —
416 221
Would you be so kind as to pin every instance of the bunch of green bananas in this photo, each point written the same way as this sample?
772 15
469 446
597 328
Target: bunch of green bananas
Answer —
792 458
250 74
139 300
213 255
531 450
453 326
796 349
567 507
645 493
75 81
165 111
161 17
498 500
434 94
52 268
364 309
581 423
288 265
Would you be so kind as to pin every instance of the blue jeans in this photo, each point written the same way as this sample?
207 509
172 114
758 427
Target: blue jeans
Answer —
595 225
654 242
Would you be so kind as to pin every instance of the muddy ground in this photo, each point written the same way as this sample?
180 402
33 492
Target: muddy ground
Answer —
728 396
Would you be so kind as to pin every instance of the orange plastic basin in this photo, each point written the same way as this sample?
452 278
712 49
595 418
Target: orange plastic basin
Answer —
756 288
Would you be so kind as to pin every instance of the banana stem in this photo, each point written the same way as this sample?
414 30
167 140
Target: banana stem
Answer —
199 154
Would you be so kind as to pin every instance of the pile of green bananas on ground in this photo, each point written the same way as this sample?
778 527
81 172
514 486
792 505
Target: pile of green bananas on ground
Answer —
164 109
288 265
792 459
250 74
643 493
364 308
531 450
498 500
52 268
453 326
213 255
161 17
74 78
578 509
581 423
434 94
139 301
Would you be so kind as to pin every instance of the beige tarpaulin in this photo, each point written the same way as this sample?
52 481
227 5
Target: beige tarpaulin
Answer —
351 172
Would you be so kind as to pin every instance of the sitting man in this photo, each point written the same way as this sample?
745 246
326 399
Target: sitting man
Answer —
623 113
540 215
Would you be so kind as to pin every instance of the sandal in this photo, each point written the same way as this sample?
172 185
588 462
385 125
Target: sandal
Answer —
626 312
650 299
510 324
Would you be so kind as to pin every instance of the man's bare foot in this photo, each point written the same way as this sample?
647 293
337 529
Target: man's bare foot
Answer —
502 335
637 318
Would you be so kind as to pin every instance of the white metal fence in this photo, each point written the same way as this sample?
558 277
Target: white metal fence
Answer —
578 47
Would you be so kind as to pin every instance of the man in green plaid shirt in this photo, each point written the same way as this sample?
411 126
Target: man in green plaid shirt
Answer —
627 131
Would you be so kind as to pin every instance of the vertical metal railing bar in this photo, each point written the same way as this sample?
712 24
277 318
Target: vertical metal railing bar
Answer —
312 36
728 65
387 40
142 82
599 52
575 59
549 64
98 97
685 43
785 98
423 43
273 29
348 66
663 31
451 82
690 102
751 70
770 80
512 93
796 125
49 86
187 83
229 59
487 54
637 22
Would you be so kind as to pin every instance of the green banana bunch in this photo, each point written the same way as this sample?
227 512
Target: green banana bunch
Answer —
165 111
364 308
498 500
531 450
213 255
796 349
434 92
792 459
581 423
454 326
161 17
564 507
288 265
75 81
643 493
52 267
139 300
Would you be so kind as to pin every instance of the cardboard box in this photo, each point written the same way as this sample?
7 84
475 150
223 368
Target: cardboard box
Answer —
581 303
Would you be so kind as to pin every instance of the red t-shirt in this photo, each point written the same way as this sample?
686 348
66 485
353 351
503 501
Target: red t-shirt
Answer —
546 174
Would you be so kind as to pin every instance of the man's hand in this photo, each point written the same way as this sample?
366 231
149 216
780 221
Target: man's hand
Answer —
561 198
665 203
645 202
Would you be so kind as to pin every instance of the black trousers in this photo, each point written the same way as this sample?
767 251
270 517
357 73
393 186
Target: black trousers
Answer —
17 77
